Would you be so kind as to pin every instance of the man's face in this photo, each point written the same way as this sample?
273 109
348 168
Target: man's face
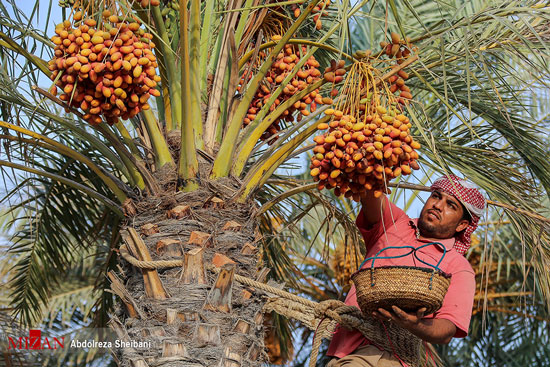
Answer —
441 216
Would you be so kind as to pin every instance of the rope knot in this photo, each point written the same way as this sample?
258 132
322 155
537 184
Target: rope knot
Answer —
327 309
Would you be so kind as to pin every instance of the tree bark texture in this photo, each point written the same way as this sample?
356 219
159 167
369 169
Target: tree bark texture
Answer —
195 316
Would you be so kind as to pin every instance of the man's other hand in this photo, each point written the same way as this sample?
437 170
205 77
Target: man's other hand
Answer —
438 331
400 317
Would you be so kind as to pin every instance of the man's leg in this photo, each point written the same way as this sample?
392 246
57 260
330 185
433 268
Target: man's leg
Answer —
366 356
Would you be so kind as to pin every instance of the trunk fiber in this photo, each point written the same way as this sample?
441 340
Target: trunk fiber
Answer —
191 315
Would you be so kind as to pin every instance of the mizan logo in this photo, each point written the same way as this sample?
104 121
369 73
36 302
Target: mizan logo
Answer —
35 341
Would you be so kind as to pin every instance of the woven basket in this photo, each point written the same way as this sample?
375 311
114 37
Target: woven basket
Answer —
406 287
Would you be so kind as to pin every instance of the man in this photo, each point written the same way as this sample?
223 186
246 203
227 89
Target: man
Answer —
449 217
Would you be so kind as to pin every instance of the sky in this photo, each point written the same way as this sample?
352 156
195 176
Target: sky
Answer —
44 7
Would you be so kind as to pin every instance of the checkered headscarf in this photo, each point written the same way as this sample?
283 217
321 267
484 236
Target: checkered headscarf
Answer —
472 199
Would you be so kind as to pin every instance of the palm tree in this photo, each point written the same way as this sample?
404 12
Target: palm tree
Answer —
194 175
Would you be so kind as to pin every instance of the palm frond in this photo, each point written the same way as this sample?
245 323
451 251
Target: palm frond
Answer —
56 221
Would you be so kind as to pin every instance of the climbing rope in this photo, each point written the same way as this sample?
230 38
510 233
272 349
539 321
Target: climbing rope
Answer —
142 264
321 317
161 264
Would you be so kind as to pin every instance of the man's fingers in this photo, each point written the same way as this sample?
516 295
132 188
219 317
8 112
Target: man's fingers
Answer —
420 312
385 314
400 313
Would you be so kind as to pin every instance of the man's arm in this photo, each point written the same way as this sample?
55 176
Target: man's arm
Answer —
435 331
373 207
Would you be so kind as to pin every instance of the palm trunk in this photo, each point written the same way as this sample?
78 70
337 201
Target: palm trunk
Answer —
193 315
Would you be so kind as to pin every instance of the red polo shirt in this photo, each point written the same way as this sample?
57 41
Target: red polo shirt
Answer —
397 229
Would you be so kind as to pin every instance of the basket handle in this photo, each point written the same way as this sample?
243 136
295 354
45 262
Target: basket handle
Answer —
373 258
412 250
436 267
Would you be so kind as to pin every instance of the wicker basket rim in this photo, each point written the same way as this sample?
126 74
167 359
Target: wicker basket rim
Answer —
426 270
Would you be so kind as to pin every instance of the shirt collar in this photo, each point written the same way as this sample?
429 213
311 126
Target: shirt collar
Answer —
448 243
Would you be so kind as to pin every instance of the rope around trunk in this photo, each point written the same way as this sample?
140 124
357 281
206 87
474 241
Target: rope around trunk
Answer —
321 317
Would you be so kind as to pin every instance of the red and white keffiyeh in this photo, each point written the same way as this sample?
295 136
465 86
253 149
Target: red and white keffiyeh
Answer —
468 194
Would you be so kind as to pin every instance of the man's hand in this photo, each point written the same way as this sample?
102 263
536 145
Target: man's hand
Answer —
438 331
373 207
400 317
